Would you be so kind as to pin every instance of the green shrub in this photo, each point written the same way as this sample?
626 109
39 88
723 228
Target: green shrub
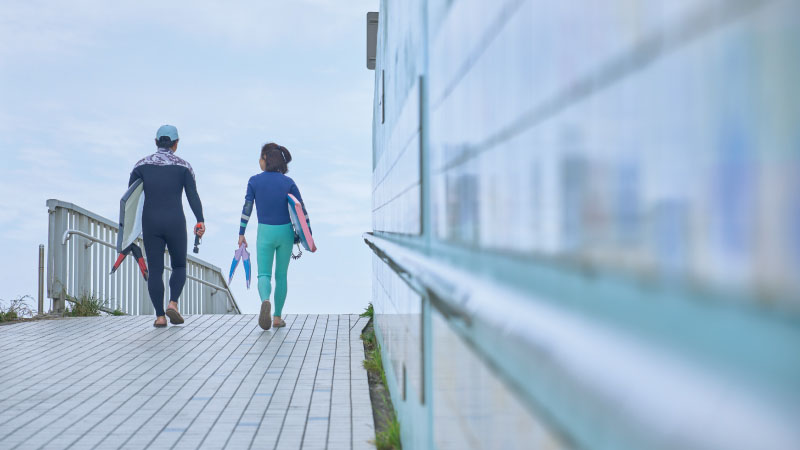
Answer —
117 312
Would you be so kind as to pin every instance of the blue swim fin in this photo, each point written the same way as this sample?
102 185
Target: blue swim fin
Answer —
247 270
233 268
241 253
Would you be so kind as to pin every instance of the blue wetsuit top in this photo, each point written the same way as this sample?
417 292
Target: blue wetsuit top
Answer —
268 190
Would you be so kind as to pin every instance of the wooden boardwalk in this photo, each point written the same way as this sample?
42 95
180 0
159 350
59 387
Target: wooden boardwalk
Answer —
218 381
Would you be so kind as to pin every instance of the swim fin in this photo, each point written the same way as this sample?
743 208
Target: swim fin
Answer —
241 254
137 253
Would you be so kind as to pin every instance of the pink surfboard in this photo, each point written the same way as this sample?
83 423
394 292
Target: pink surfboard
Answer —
300 223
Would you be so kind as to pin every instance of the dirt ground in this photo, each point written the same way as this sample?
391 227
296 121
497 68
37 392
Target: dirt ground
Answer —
30 319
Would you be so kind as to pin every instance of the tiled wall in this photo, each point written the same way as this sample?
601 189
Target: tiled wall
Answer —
473 408
396 195
396 201
657 140
652 143
398 310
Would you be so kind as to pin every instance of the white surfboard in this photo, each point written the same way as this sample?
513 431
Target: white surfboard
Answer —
130 215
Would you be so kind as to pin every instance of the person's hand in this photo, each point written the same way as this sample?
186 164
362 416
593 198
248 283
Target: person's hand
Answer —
200 229
242 240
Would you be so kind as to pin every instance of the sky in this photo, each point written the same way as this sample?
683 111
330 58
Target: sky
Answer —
85 84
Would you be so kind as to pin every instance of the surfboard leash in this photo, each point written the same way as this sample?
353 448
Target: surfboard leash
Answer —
299 253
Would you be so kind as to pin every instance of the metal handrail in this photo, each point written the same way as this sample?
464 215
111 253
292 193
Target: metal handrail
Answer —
69 233
437 290
569 347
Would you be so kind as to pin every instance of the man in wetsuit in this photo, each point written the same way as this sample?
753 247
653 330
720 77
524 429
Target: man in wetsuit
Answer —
165 177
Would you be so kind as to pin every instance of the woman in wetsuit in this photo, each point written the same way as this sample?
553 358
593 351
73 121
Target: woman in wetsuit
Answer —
165 177
268 191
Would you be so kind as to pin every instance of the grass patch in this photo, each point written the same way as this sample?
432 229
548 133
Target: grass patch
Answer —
387 428
85 306
389 438
368 312
372 351
16 309
19 310
374 363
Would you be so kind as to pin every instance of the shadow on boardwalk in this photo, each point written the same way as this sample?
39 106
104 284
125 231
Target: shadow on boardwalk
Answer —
217 381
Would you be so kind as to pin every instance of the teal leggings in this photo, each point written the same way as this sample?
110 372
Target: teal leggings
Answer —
274 241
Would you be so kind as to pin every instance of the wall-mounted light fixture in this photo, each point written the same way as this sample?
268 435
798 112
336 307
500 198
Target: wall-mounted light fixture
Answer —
372 39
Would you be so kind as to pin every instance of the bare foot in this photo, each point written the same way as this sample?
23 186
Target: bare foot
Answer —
161 320
277 322
173 305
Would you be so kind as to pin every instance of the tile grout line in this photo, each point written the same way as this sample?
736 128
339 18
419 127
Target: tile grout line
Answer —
62 355
222 364
261 421
262 377
294 388
215 340
53 383
313 384
333 377
205 324
239 386
218 383
350 359
30 331
157 363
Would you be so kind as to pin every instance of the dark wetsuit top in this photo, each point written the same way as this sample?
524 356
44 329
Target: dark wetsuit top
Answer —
165 177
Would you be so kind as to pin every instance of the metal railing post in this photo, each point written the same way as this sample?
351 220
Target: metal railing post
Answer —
145 305
58 265
41 279
208 302
82 253
51 242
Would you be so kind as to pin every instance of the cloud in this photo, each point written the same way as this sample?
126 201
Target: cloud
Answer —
35 27
56 27
78 107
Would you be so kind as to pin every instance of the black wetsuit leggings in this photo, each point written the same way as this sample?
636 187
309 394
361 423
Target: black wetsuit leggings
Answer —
158 234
